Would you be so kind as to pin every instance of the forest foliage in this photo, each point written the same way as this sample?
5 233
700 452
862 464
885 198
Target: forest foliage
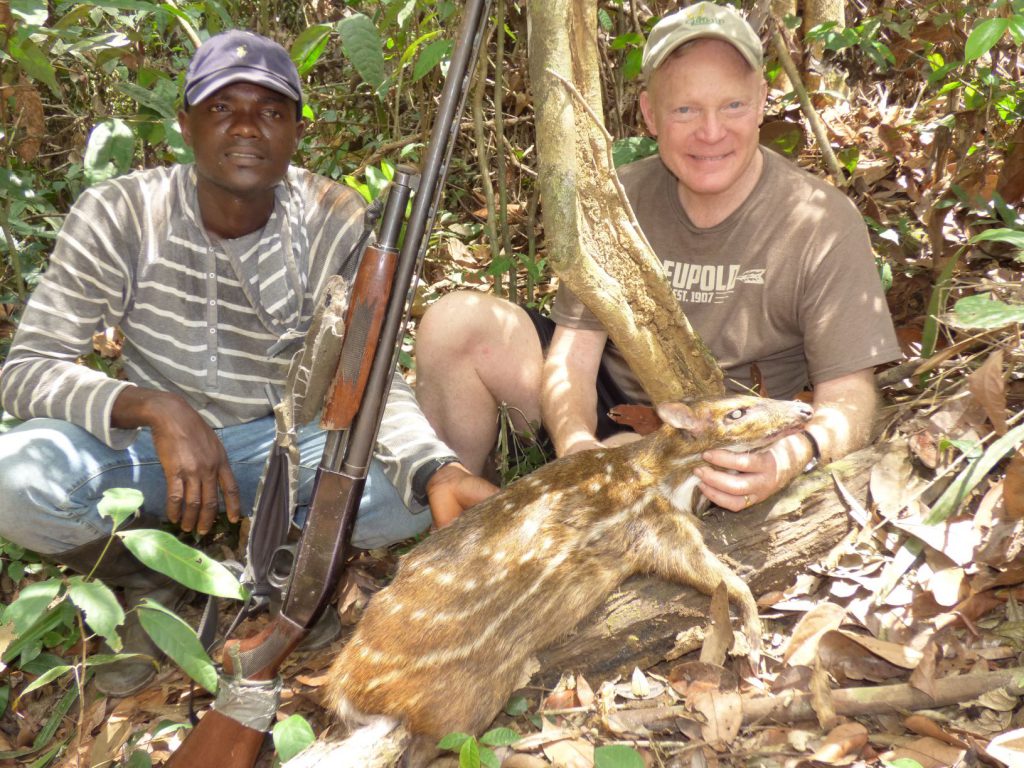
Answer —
921 102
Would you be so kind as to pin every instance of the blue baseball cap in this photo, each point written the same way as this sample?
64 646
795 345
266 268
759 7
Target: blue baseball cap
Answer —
238 56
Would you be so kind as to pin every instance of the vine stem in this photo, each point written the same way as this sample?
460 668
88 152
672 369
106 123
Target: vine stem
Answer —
817 127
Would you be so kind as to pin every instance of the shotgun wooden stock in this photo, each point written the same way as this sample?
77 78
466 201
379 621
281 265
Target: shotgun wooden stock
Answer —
352 414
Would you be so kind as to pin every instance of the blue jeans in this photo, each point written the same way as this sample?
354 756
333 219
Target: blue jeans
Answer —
53 474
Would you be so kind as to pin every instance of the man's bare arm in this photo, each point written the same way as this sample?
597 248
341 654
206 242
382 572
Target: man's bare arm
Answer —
844 409
193 458
569 388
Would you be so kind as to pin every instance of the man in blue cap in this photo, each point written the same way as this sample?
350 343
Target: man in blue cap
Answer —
210 270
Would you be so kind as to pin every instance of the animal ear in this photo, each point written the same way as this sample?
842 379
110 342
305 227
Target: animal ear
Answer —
680 416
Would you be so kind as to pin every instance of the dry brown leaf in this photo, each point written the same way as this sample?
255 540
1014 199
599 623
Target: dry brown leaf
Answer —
893 140
925 446
1013 487
576 753
842 743
890 483
947 585
988 387
845 659
108 744
956 537
584 692
524 761
1008 747
925 726
930 753
718 635
1011 177
723 714
802 647
894 653
821 697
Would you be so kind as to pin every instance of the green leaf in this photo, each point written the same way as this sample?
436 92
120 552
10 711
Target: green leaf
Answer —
34 61
31 604
617 756
119 504
99 607
309 46
1003 235
5 696
139 758
161 98
361 43
500 737
489 759
291 736
45 679
982 311
517 705
469 754
985 34
430 56
632 65
109 151
937 305
162 552
628 150
903 762
32 12
179 641
453 742
956 494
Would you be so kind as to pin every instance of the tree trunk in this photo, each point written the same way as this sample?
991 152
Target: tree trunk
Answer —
594 243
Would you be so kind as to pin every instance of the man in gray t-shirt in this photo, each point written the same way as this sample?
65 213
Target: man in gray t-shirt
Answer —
771 266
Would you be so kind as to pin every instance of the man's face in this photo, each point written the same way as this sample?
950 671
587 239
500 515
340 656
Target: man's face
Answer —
704 105
243 137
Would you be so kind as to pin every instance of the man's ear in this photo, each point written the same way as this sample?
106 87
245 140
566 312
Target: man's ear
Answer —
300 131
647 110
184 127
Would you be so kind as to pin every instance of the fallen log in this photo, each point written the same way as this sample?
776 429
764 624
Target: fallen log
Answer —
649 620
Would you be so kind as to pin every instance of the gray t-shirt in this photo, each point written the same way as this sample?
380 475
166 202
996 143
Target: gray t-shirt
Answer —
788 281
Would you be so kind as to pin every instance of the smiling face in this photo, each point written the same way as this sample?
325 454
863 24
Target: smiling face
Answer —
704 105
243 137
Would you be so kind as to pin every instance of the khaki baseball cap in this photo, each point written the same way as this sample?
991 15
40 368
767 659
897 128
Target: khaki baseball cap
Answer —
697 21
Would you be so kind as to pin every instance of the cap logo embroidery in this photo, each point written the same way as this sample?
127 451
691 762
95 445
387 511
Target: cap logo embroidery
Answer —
240 51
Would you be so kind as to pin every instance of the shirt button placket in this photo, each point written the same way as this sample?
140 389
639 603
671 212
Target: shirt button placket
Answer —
211 318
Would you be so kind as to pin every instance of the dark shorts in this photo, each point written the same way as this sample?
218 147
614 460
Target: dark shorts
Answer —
608 392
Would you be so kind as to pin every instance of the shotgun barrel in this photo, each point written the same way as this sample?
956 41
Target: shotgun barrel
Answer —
231 735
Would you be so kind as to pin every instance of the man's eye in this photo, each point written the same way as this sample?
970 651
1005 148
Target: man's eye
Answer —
272 114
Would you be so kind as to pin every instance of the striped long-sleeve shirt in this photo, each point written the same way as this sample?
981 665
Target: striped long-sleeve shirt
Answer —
204 318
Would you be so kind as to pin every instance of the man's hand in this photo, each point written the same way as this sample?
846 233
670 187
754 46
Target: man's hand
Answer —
193 458
452 490
754 476
844 408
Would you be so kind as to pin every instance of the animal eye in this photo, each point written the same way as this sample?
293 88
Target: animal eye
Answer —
736 415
